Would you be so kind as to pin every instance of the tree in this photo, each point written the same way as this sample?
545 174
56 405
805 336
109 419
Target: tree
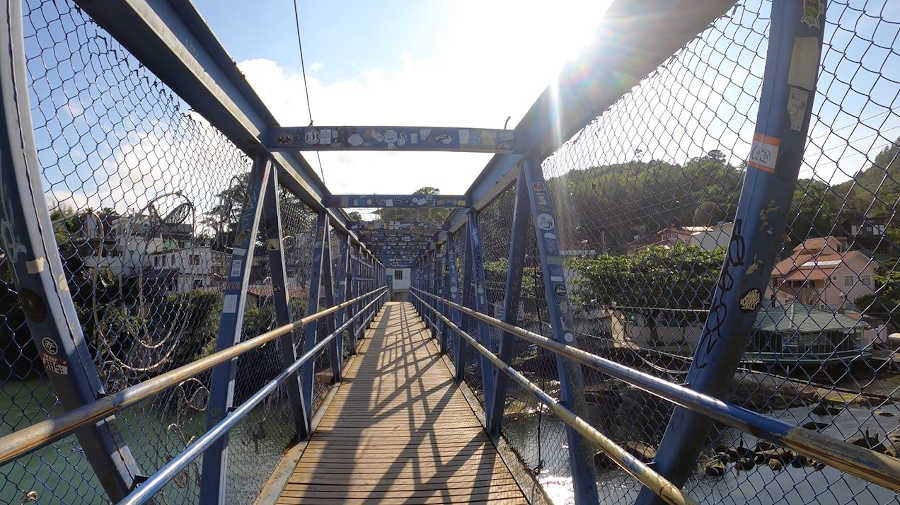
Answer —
885 301
428 215
649 282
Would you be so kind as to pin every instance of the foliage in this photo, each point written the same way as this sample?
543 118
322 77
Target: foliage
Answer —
430 215
495 278
654 278
884 302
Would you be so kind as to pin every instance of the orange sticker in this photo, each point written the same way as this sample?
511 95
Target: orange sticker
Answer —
764 152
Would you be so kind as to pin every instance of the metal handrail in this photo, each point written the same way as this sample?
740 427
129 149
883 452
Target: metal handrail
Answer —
669 492
155 483
858 461
23 441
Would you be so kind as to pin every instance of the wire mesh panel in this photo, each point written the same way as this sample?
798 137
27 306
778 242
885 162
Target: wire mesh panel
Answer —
144 196
645 196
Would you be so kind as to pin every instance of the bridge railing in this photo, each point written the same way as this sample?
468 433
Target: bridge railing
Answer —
658 237
149 230
860 462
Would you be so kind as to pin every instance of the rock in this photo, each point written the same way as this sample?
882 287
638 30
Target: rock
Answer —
745 464
732 454
865 440
815 464
884 413
775 464
781 454
813 425
640 450
602 461
799 461
764 445
887 447
824 409
715 469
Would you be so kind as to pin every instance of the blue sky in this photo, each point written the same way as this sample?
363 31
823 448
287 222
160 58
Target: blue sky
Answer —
440 63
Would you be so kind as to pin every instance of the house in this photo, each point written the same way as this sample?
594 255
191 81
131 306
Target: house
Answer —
705 237
190 268
824 273
783 332
798 333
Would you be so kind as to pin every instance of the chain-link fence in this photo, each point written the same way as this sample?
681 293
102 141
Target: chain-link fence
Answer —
145 197
645 198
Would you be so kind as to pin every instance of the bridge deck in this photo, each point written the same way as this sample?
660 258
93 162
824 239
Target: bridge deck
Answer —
399 431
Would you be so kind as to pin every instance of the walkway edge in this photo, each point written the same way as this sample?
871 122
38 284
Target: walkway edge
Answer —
532 489
285 467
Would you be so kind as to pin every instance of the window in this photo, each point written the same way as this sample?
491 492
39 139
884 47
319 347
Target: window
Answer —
194 259
867 280
398 275
848 281
156 261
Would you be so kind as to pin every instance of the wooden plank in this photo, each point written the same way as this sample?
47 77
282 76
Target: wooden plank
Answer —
398 431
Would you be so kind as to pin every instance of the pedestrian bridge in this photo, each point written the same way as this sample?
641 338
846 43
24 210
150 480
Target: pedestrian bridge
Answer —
673 281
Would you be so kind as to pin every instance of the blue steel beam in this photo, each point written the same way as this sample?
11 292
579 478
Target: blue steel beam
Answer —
213 480
311 331
281 299
782 123
388 138
334 356
512 292
571 382
467 296
38 273
479 303
397 201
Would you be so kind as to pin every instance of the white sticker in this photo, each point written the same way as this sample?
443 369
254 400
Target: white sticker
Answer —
236 268
35 266
545 222
239 251
550 236
569 337
556 278
804 62
388 203
325 136
798 99
229 304
463 137
764 153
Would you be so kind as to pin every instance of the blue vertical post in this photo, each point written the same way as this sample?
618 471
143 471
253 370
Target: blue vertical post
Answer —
512 295
353 281
346 289
445 292
281 298
215 460
311 330
453 288
461 347
480 304
571 382
782 123
340 279
38 273
334 356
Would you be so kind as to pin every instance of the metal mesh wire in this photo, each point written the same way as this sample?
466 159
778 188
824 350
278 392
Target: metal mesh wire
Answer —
645 195
144 196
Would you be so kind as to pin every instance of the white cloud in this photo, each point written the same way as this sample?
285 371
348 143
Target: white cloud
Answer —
487 72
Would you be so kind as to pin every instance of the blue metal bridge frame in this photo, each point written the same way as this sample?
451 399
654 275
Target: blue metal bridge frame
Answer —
171 39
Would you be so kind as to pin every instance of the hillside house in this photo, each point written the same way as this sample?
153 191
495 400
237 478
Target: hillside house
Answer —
824 273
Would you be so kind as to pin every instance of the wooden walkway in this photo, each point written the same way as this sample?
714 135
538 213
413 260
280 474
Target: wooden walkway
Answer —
398 431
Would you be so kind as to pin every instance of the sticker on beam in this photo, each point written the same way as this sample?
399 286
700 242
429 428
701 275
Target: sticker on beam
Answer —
389 138
399 201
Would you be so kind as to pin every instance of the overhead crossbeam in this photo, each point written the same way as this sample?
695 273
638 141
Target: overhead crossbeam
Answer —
401 201
388 138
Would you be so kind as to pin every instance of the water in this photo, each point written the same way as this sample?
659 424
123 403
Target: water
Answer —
59 472
759 486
